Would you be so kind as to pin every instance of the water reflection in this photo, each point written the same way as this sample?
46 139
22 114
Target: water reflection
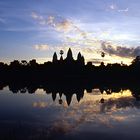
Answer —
68 112
69 91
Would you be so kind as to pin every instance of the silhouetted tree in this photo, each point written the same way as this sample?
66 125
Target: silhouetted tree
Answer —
68 69
61 52
136 61
15 63
2 65
24 62
61 57
102 54
33 62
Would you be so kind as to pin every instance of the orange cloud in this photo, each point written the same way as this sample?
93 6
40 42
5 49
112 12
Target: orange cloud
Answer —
41 47
40 104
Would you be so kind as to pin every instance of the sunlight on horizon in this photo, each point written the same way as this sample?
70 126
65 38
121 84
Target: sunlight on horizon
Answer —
37 34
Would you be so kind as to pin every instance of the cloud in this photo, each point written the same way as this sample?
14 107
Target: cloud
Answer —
123 10
89 50
50 20
41 60
46 47
120 103
114 7
41 47
36 16
96 60
39 18
121 51
65 26
59 24
74 36
40 104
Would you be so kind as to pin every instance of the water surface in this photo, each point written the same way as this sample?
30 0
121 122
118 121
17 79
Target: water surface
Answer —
52 115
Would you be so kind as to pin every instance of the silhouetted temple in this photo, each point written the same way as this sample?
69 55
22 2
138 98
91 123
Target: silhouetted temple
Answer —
69 59
61 70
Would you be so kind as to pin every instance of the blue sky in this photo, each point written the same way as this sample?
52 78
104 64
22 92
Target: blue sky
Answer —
36 28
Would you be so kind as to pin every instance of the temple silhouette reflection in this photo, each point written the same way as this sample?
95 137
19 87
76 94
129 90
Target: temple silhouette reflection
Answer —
69 89
67 76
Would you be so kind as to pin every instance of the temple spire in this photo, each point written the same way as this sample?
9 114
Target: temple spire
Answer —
69 55
54 58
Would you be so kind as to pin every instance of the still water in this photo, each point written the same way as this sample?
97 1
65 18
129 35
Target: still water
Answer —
90 115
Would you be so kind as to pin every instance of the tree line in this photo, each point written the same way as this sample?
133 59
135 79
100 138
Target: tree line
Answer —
68 68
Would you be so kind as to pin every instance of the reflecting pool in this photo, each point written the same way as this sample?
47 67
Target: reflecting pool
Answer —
85 114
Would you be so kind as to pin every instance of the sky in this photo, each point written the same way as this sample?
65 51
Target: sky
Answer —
35 29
